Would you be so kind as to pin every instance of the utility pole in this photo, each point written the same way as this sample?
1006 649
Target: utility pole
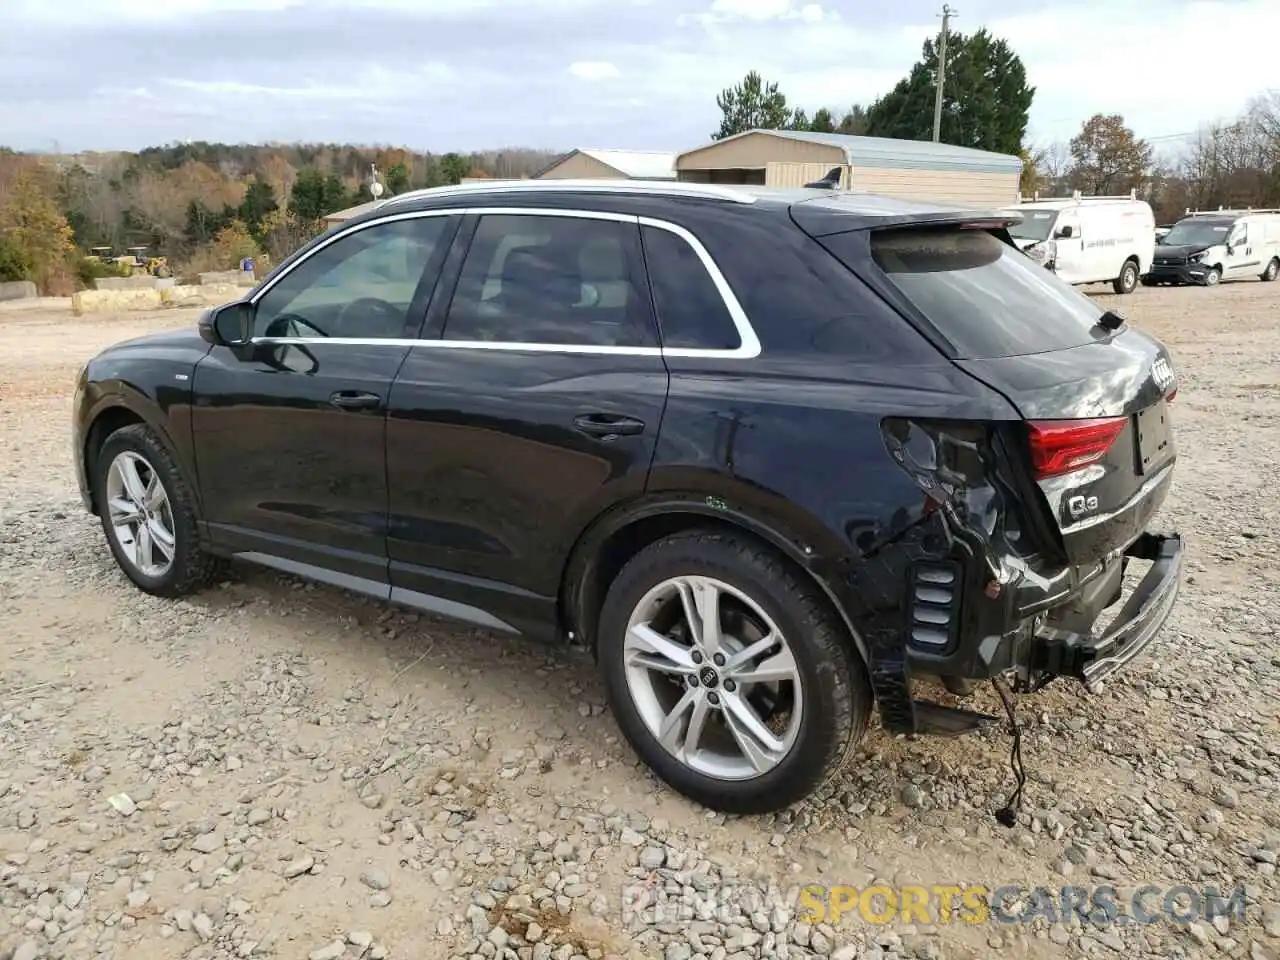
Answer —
947 14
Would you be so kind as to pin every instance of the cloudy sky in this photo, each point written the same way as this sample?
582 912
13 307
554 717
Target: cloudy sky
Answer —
471 74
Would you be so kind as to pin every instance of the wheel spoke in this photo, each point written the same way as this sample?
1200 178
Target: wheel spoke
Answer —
145 554
154 493
123 511
671 733
161 538
781 666
740 663
701 601
133 485
647 647
758 745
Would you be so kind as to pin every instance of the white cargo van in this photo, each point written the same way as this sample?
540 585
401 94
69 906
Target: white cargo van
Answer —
1088 239
1207 247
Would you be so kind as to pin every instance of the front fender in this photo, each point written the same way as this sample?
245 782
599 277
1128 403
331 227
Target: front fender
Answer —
103 406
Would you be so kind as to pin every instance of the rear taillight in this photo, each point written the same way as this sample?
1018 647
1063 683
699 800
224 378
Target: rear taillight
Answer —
1060 446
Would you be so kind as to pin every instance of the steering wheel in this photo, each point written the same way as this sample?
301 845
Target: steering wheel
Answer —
284 320
363 307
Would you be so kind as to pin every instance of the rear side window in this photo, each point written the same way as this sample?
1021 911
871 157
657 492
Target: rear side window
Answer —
983 295
692 313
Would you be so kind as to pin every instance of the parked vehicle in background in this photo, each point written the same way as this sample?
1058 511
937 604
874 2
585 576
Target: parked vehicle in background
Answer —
1088 239
1207 247
769 455
1162 230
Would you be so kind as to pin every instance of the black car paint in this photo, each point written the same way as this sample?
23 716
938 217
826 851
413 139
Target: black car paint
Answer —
856 468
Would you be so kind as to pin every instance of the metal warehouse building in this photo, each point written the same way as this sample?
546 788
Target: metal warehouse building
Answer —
610 165
911 169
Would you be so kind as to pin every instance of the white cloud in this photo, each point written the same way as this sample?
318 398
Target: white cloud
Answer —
593 70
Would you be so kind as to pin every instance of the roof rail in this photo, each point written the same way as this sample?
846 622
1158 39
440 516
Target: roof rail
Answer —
671 188
1078 196
1230 212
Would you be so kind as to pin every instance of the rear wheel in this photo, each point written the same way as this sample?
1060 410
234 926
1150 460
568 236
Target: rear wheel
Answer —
1127 282
1213 277
1272 271
728 675
148 514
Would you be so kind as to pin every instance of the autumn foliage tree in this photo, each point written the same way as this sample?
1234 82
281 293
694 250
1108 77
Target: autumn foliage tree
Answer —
1106 157
35 235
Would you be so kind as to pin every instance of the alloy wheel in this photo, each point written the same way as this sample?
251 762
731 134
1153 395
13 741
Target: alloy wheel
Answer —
712 677
140 514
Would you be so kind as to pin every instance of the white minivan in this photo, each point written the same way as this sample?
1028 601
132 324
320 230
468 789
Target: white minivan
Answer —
1088 239
1211 246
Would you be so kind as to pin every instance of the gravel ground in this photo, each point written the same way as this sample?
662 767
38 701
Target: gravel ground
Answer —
275 768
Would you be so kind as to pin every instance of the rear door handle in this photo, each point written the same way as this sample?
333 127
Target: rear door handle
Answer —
608 425
355 400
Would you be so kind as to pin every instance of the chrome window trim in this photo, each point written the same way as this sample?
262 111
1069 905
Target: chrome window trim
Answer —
748 345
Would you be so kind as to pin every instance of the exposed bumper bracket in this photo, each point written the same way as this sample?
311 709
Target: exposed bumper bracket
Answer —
1093 659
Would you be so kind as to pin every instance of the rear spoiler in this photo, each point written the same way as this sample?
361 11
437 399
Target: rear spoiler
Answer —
964 219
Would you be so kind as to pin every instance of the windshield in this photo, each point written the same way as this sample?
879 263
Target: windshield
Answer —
982 294
1035 225
1197 232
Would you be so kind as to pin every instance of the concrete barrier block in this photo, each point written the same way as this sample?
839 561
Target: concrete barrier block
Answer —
17 290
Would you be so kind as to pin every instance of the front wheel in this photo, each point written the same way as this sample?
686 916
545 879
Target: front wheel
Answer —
1272 271
1127 282
730 676
1213 277
148 514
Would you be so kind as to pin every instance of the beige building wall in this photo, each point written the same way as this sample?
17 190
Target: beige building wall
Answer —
949 186
580 166
756 151
798 174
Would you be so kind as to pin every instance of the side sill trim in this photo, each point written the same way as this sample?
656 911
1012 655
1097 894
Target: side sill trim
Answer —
409 598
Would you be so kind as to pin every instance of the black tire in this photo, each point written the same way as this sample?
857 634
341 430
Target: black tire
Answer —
834 683
1272 271
191 567
1213 277
1127 282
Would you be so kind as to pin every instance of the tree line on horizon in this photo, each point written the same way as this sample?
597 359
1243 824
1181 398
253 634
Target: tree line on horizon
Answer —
202 206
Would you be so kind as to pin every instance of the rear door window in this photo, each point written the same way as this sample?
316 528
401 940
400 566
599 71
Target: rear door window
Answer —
986 297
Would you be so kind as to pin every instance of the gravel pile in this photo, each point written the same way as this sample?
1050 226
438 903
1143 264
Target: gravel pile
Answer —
278 769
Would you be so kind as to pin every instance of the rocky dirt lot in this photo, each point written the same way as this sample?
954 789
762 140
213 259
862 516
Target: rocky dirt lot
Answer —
278 769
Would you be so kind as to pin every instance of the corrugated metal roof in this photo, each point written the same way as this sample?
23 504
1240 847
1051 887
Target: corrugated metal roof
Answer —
895 154
636 164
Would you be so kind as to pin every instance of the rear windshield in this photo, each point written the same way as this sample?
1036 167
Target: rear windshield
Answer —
985 296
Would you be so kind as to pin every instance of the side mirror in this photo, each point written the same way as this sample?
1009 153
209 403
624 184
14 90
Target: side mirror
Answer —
229 325
1065 233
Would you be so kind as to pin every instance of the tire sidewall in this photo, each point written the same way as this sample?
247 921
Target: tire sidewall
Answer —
141 441
1272 271
819 685
1129 277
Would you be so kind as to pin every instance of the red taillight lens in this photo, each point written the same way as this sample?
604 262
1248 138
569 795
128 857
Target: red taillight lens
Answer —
1060 446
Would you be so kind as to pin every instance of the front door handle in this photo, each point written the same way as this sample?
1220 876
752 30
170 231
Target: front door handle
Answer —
355 400
606 425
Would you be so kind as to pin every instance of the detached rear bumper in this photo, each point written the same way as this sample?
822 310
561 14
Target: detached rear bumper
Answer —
1094 659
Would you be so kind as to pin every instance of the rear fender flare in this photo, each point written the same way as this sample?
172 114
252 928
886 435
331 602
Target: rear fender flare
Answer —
581 579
